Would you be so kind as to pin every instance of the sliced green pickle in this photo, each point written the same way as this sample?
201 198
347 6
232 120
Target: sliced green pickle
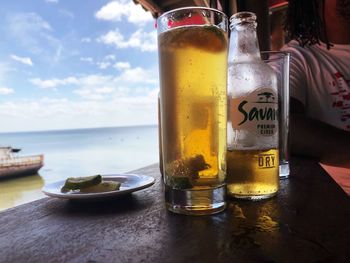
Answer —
183 173
74 183
105 186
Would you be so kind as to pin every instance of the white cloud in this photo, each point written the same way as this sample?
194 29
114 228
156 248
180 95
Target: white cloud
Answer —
4 71
106 61
86 40
95 87
35 35
67 13
137 75
91 87
87 59
117 10
110 57
103 65
6 91
130 98
57 53
27 22
145 41
64 113
53 83
94 94
113 38
23 60
51 1
129 82
122 65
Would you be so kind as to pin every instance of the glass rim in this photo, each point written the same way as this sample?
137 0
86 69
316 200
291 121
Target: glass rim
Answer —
280 55
192 8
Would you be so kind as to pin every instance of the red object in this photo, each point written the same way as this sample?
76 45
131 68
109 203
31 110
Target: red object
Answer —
338 75
195 19
346 97
337 104
277 4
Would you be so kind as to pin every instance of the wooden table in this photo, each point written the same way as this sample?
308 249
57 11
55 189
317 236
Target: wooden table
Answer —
309 221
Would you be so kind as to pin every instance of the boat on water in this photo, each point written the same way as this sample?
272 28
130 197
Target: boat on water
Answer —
12 164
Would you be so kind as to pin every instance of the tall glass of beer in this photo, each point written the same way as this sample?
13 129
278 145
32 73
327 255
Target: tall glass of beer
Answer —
192 46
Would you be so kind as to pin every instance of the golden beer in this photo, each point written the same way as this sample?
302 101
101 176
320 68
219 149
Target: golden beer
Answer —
193 106
252 174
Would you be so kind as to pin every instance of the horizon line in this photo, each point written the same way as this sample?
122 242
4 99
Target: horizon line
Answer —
77 129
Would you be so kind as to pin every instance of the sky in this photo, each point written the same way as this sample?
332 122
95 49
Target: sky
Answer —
67 64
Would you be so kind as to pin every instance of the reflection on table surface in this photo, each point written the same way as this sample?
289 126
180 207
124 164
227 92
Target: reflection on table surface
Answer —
20 190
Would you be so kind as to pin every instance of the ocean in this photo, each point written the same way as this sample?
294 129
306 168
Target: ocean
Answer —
80 152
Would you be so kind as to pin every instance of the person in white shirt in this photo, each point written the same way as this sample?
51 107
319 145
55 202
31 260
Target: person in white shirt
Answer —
320 79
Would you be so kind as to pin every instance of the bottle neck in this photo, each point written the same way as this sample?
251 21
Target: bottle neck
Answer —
244 44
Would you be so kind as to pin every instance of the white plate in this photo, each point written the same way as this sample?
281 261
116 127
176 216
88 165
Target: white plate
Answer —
129 183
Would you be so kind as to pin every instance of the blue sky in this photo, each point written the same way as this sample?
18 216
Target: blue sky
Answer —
75 64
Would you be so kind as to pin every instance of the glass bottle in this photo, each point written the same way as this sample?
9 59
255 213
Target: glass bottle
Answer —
252 127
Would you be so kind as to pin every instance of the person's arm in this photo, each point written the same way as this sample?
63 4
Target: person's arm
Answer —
318 140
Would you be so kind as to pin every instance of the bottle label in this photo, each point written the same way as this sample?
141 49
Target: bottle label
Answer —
256 113
268 159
